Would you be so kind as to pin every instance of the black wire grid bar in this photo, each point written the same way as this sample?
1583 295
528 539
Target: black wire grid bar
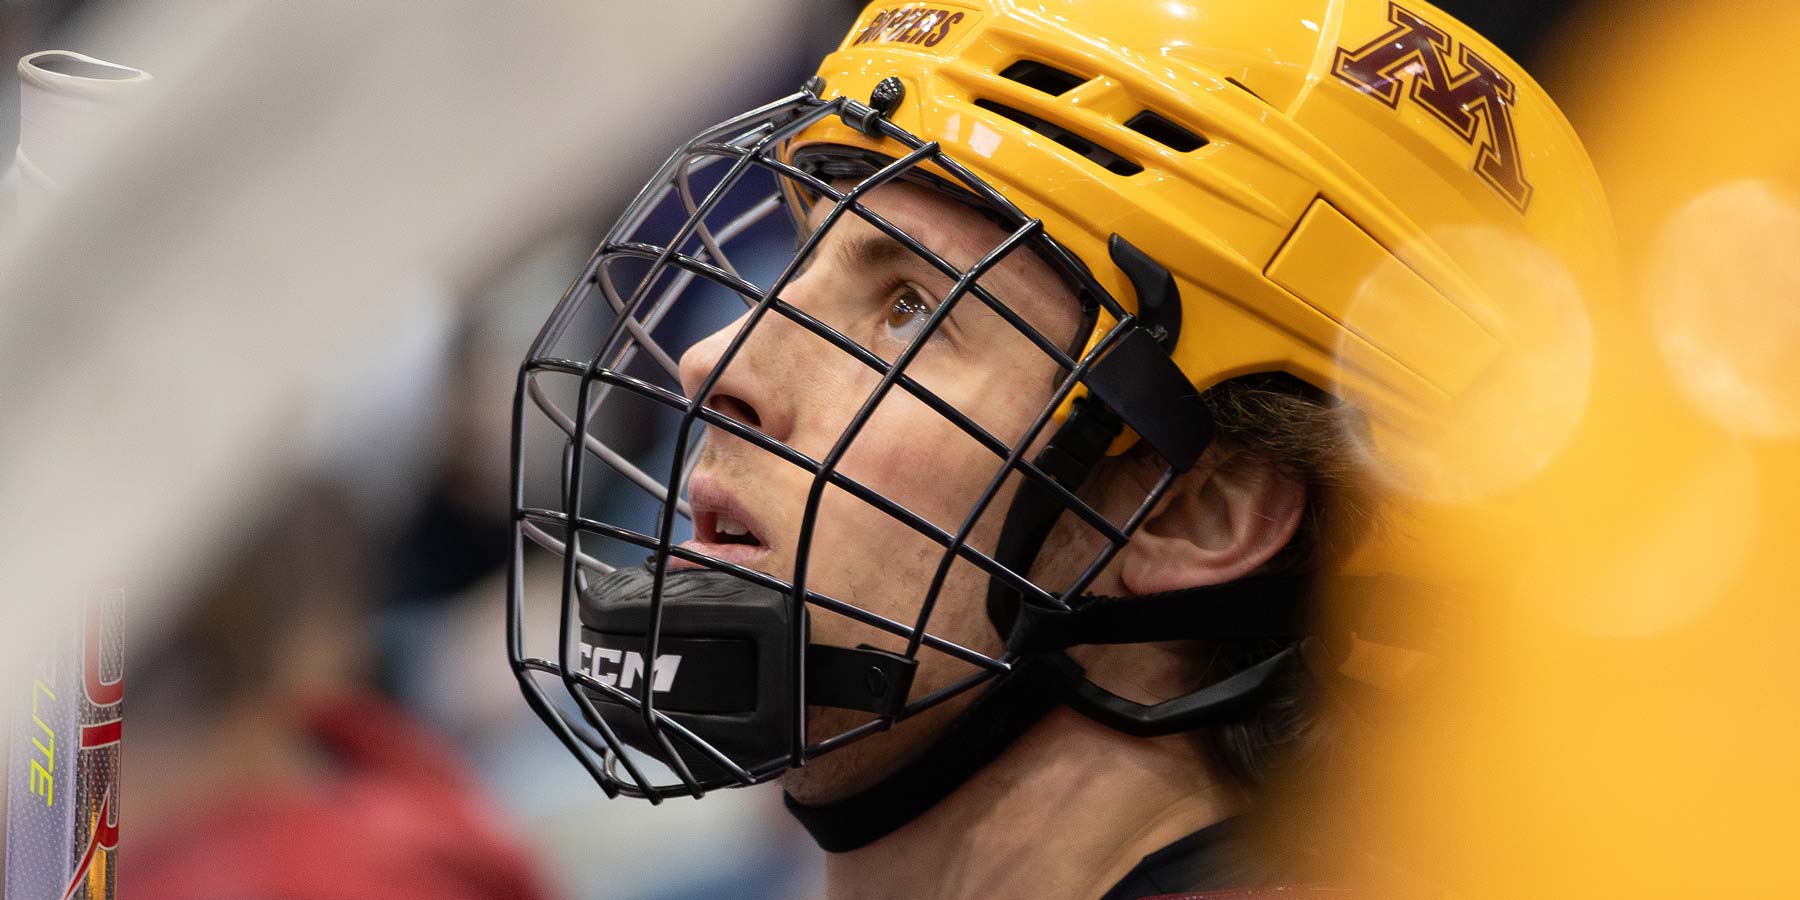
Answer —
745 143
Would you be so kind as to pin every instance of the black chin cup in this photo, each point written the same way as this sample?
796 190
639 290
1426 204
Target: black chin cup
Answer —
728 668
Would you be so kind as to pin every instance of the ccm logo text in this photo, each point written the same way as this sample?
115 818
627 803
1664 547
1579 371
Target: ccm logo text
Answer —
623 669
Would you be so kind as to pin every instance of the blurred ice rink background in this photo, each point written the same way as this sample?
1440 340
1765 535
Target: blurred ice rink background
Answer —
256 365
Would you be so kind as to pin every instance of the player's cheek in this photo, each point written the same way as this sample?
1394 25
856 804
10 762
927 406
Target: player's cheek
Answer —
890 454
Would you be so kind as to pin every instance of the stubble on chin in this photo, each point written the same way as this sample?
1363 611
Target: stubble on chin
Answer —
858 766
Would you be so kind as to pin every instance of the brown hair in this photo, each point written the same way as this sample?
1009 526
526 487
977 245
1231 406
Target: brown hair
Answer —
1304 433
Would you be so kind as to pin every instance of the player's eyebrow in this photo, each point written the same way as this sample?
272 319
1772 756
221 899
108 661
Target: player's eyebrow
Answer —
878 249
866 250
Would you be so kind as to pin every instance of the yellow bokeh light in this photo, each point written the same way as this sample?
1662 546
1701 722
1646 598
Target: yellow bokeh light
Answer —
1724 288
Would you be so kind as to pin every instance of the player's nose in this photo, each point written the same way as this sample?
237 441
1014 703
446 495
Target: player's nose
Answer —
747 387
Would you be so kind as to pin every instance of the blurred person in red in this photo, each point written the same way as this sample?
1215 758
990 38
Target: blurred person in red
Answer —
260 766
391 814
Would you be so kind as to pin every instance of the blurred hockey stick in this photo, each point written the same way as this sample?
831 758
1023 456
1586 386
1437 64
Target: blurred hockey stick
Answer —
62 796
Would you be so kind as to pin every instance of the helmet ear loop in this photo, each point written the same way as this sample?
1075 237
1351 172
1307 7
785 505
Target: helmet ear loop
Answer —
1070 458
1092 427
1034 510
1136 383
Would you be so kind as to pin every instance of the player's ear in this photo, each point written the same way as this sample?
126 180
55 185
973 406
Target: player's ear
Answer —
1219 522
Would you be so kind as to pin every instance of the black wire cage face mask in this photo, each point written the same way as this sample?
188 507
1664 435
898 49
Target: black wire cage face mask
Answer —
669 681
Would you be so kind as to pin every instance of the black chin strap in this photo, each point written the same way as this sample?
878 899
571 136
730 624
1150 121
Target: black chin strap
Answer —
973 739
1270 608
1045 677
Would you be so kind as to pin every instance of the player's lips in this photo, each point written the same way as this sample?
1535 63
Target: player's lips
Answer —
723 528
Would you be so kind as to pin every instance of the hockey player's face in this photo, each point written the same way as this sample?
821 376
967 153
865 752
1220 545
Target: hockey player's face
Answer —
797 388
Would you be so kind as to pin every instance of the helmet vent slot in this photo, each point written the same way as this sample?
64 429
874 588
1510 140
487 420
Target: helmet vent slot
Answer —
1092 152
1046 78
1165 132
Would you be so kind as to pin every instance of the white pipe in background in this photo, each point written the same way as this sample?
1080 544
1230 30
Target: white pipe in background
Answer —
67 103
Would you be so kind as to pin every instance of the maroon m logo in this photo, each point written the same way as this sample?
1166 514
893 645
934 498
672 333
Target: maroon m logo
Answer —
1476 103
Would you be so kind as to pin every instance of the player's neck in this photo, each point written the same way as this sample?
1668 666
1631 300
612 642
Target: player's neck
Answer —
1064 814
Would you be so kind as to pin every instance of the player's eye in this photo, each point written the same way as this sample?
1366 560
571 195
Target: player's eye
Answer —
907 311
